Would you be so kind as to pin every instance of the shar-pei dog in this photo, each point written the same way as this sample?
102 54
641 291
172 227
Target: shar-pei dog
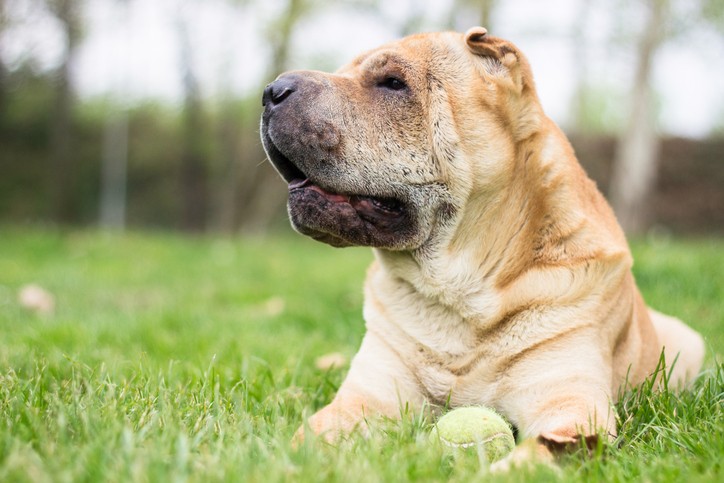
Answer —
501 276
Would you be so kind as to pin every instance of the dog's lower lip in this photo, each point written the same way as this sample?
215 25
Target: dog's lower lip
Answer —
366 206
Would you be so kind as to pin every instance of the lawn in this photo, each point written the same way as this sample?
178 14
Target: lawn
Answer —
193 359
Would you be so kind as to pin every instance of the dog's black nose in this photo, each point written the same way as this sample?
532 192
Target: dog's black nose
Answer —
276 92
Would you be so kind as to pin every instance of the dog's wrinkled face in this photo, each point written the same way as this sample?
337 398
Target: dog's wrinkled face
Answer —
371 153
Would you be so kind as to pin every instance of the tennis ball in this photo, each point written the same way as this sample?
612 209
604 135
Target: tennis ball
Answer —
475 427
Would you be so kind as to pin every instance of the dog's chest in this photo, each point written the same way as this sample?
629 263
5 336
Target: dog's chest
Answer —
459 377
449 357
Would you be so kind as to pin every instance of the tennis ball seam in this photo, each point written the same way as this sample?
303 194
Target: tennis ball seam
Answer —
472 443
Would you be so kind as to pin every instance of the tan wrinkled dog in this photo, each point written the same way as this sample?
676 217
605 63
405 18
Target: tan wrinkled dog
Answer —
501 275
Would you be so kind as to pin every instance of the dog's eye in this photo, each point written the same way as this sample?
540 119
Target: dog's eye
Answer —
392 83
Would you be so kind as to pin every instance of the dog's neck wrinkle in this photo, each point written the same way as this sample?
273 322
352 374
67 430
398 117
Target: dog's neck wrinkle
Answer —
502 246
503 218
445 276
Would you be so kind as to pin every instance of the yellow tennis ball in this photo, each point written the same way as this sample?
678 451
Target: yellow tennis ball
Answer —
475 427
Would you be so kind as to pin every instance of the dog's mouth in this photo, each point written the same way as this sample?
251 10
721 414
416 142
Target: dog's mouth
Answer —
368 207
373 209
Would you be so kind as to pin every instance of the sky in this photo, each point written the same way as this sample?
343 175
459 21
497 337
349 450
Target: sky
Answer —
131 50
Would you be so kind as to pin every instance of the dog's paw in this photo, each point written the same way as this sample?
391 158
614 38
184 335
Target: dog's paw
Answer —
528 453
331 425
298 438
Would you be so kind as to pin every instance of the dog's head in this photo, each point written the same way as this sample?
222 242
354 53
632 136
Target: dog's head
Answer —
388 151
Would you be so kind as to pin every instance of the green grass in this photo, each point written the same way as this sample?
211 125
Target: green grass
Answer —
170 358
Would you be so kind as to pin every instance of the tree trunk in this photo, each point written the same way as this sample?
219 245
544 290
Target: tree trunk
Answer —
114 158
113 173
3 69
61 170
580 61
282 37
635 164
193 160
231 135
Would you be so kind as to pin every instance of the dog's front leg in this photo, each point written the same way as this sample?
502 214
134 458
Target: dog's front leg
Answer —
569 425
378 384
561 401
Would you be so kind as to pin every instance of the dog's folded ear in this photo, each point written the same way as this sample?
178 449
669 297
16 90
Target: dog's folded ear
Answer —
502 64
479 42
502 57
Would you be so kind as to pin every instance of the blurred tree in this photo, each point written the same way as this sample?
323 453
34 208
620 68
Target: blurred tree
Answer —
579 40
635 165
114 161
635 162
194 173
413 22
3 68
486 12
712 11
461 15
470 10
595 103
232 134
279 33
114 158
69 15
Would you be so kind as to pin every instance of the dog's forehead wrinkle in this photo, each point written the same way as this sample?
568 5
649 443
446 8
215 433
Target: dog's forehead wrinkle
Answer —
386 60
376 60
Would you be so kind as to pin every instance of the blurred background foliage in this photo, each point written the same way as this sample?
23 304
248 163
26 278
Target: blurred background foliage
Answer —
193 161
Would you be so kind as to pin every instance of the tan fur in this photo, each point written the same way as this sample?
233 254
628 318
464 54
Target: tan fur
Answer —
521 298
